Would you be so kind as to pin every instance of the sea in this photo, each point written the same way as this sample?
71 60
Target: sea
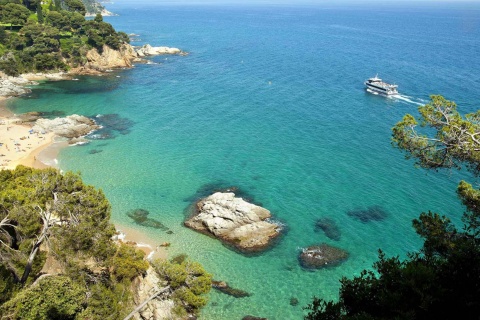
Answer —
270 100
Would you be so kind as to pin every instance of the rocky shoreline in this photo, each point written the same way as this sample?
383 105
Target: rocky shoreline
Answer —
97 63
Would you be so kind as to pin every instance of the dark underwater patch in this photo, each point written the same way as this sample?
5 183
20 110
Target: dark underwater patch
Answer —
373 213
112 125
329 227
140 217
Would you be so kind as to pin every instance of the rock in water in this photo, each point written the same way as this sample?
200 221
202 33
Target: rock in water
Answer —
321 256
148 50
223 287
234 221
330 228
373 213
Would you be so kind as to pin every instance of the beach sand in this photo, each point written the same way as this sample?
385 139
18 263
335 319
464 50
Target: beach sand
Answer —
152 251
18 145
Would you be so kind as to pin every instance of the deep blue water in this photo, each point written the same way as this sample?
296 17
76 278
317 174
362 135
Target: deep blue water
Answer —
271 99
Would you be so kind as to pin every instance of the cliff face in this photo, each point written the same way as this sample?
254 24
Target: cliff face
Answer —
93 7
110 58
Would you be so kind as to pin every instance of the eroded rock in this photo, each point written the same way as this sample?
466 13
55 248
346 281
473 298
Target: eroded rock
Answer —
234 221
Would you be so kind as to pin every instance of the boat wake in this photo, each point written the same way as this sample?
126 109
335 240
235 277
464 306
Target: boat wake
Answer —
411 100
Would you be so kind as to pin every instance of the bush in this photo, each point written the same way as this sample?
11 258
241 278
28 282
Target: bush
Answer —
129 262
55 297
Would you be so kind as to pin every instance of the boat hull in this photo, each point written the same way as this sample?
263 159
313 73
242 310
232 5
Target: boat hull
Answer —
375 90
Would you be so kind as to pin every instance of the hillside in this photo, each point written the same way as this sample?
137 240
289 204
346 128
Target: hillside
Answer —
52 35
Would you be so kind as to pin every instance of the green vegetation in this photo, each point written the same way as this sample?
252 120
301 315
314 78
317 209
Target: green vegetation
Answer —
442 280
188 281
51 35
58 259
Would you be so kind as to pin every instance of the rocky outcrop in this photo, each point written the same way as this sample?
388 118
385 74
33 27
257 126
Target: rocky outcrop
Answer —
14 86
148 50
234 221
70 127
321 256
158 308
110 58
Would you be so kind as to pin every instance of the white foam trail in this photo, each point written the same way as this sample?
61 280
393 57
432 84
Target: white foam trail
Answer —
406 99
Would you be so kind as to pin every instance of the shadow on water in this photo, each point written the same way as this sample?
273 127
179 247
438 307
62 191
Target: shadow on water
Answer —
85 84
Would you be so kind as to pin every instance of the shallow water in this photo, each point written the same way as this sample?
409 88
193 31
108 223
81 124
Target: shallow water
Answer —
271 99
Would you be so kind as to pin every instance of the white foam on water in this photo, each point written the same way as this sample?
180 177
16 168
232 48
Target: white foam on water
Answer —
407 99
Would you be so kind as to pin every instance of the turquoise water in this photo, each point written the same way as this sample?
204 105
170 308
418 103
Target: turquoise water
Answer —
271 100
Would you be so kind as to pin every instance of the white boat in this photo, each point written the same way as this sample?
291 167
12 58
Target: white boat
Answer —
377 86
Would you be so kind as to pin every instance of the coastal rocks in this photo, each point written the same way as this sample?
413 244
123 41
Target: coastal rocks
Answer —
223 287
156 309
234 221
321 256
13 87
108 59
329 227
70 127
148 50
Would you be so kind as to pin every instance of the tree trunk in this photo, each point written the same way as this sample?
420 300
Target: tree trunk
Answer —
33 253
46 226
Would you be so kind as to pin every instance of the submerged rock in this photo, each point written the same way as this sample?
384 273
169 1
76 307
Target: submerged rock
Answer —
373 213
329 227
293 301
140 216
223 287
234 221
321 256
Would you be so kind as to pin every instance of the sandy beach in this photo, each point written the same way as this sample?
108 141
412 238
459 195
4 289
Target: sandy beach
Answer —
18 144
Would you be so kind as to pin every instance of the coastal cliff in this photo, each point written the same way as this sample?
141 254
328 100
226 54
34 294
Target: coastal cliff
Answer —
97 62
